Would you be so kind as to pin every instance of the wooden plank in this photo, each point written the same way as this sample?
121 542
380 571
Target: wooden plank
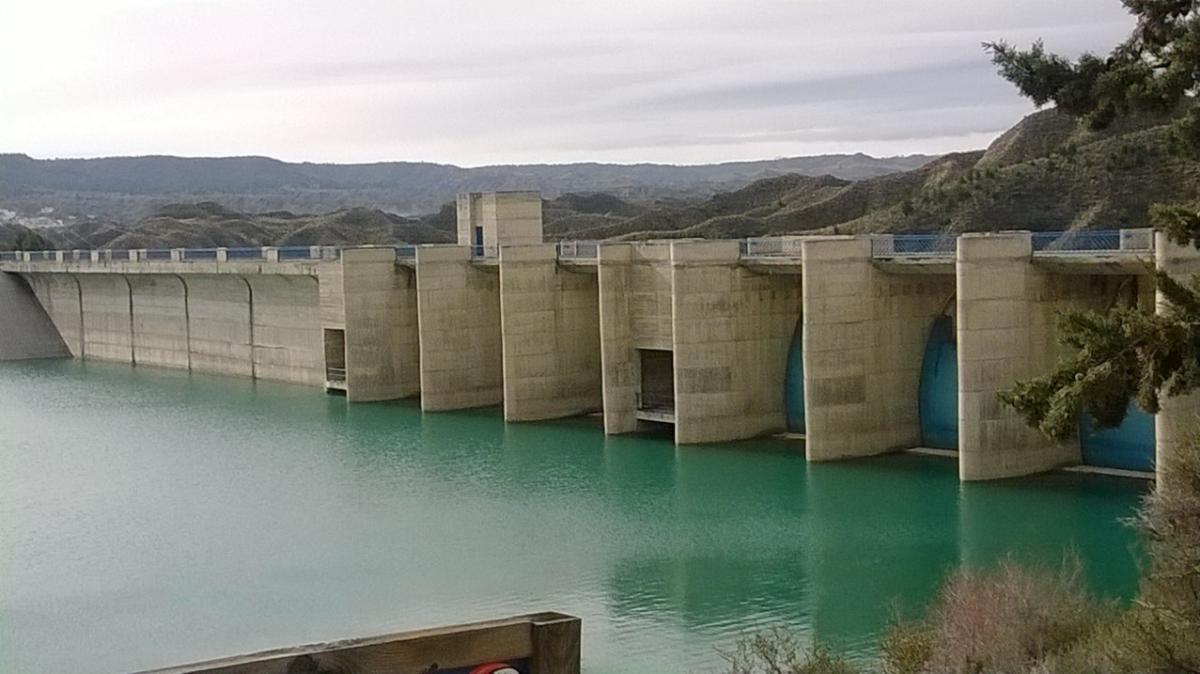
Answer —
418 652
556 644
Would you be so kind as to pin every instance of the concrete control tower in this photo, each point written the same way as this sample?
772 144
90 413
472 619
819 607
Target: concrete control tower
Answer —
490 219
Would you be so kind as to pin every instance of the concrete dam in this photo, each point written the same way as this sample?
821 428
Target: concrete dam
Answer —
862 344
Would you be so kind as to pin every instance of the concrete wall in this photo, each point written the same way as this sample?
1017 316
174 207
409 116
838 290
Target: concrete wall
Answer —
263 326
380 308
1006 333
1179 418
160 320
618 366
731 329
458 309
550 323
107 317
59 297
550 341
286 327
864 339
219 328
507 218
26 330
635 312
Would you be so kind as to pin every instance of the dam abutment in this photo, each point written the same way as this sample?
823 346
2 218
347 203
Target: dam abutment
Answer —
27 330
1178 420
865 331
731 331
1003 337
458 310
550 323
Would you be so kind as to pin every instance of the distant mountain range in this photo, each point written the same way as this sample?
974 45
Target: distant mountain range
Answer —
1047 172
124 189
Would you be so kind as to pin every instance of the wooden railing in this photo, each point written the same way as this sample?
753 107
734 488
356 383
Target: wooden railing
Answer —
540 643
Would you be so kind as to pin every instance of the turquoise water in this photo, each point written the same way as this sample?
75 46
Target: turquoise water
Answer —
152 518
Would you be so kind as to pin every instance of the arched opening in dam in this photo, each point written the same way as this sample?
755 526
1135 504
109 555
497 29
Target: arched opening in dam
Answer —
793 386
1129 446
938 393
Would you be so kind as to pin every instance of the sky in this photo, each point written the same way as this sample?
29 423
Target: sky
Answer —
523 81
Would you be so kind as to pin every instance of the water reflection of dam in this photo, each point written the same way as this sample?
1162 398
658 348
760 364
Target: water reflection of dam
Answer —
863 344
780 543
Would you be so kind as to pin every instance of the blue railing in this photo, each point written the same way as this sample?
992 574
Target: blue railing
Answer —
294 252
901 245
244 254
197 254
1131 240
177 254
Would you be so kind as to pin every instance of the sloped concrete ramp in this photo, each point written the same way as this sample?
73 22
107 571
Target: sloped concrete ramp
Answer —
26 332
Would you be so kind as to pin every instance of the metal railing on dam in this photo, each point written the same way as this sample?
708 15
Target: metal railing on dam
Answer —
1049 243
894 245
578 251
945 245
267 254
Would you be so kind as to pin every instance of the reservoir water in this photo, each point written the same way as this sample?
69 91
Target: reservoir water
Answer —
150 518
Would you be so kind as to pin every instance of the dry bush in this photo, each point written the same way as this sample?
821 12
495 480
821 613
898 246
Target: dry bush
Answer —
779 651
1161 631
906 647
1009 619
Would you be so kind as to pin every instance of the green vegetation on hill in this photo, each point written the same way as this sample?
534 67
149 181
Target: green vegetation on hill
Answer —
1047 172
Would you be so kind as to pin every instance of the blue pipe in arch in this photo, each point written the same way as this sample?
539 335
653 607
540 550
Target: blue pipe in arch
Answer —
938 393
1129 446
793 387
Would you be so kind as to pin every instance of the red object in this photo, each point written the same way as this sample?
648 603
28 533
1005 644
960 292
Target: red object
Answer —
494 668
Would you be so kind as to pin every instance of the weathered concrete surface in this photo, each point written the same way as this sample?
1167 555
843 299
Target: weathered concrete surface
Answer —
286 328
864 339
618 364
26 331
550 322
107 317
458 310
731 330
635 313
219 329
59 296
1179 418
379 305
507 218
1005 329
160 320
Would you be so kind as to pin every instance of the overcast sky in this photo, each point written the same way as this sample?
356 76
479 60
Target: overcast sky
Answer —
490 81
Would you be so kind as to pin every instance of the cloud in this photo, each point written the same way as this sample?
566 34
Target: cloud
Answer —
473 81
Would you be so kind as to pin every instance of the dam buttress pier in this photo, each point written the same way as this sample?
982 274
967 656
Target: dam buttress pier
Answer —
862 344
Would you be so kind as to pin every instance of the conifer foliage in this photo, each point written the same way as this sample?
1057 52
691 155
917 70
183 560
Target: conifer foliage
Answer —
1122 354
